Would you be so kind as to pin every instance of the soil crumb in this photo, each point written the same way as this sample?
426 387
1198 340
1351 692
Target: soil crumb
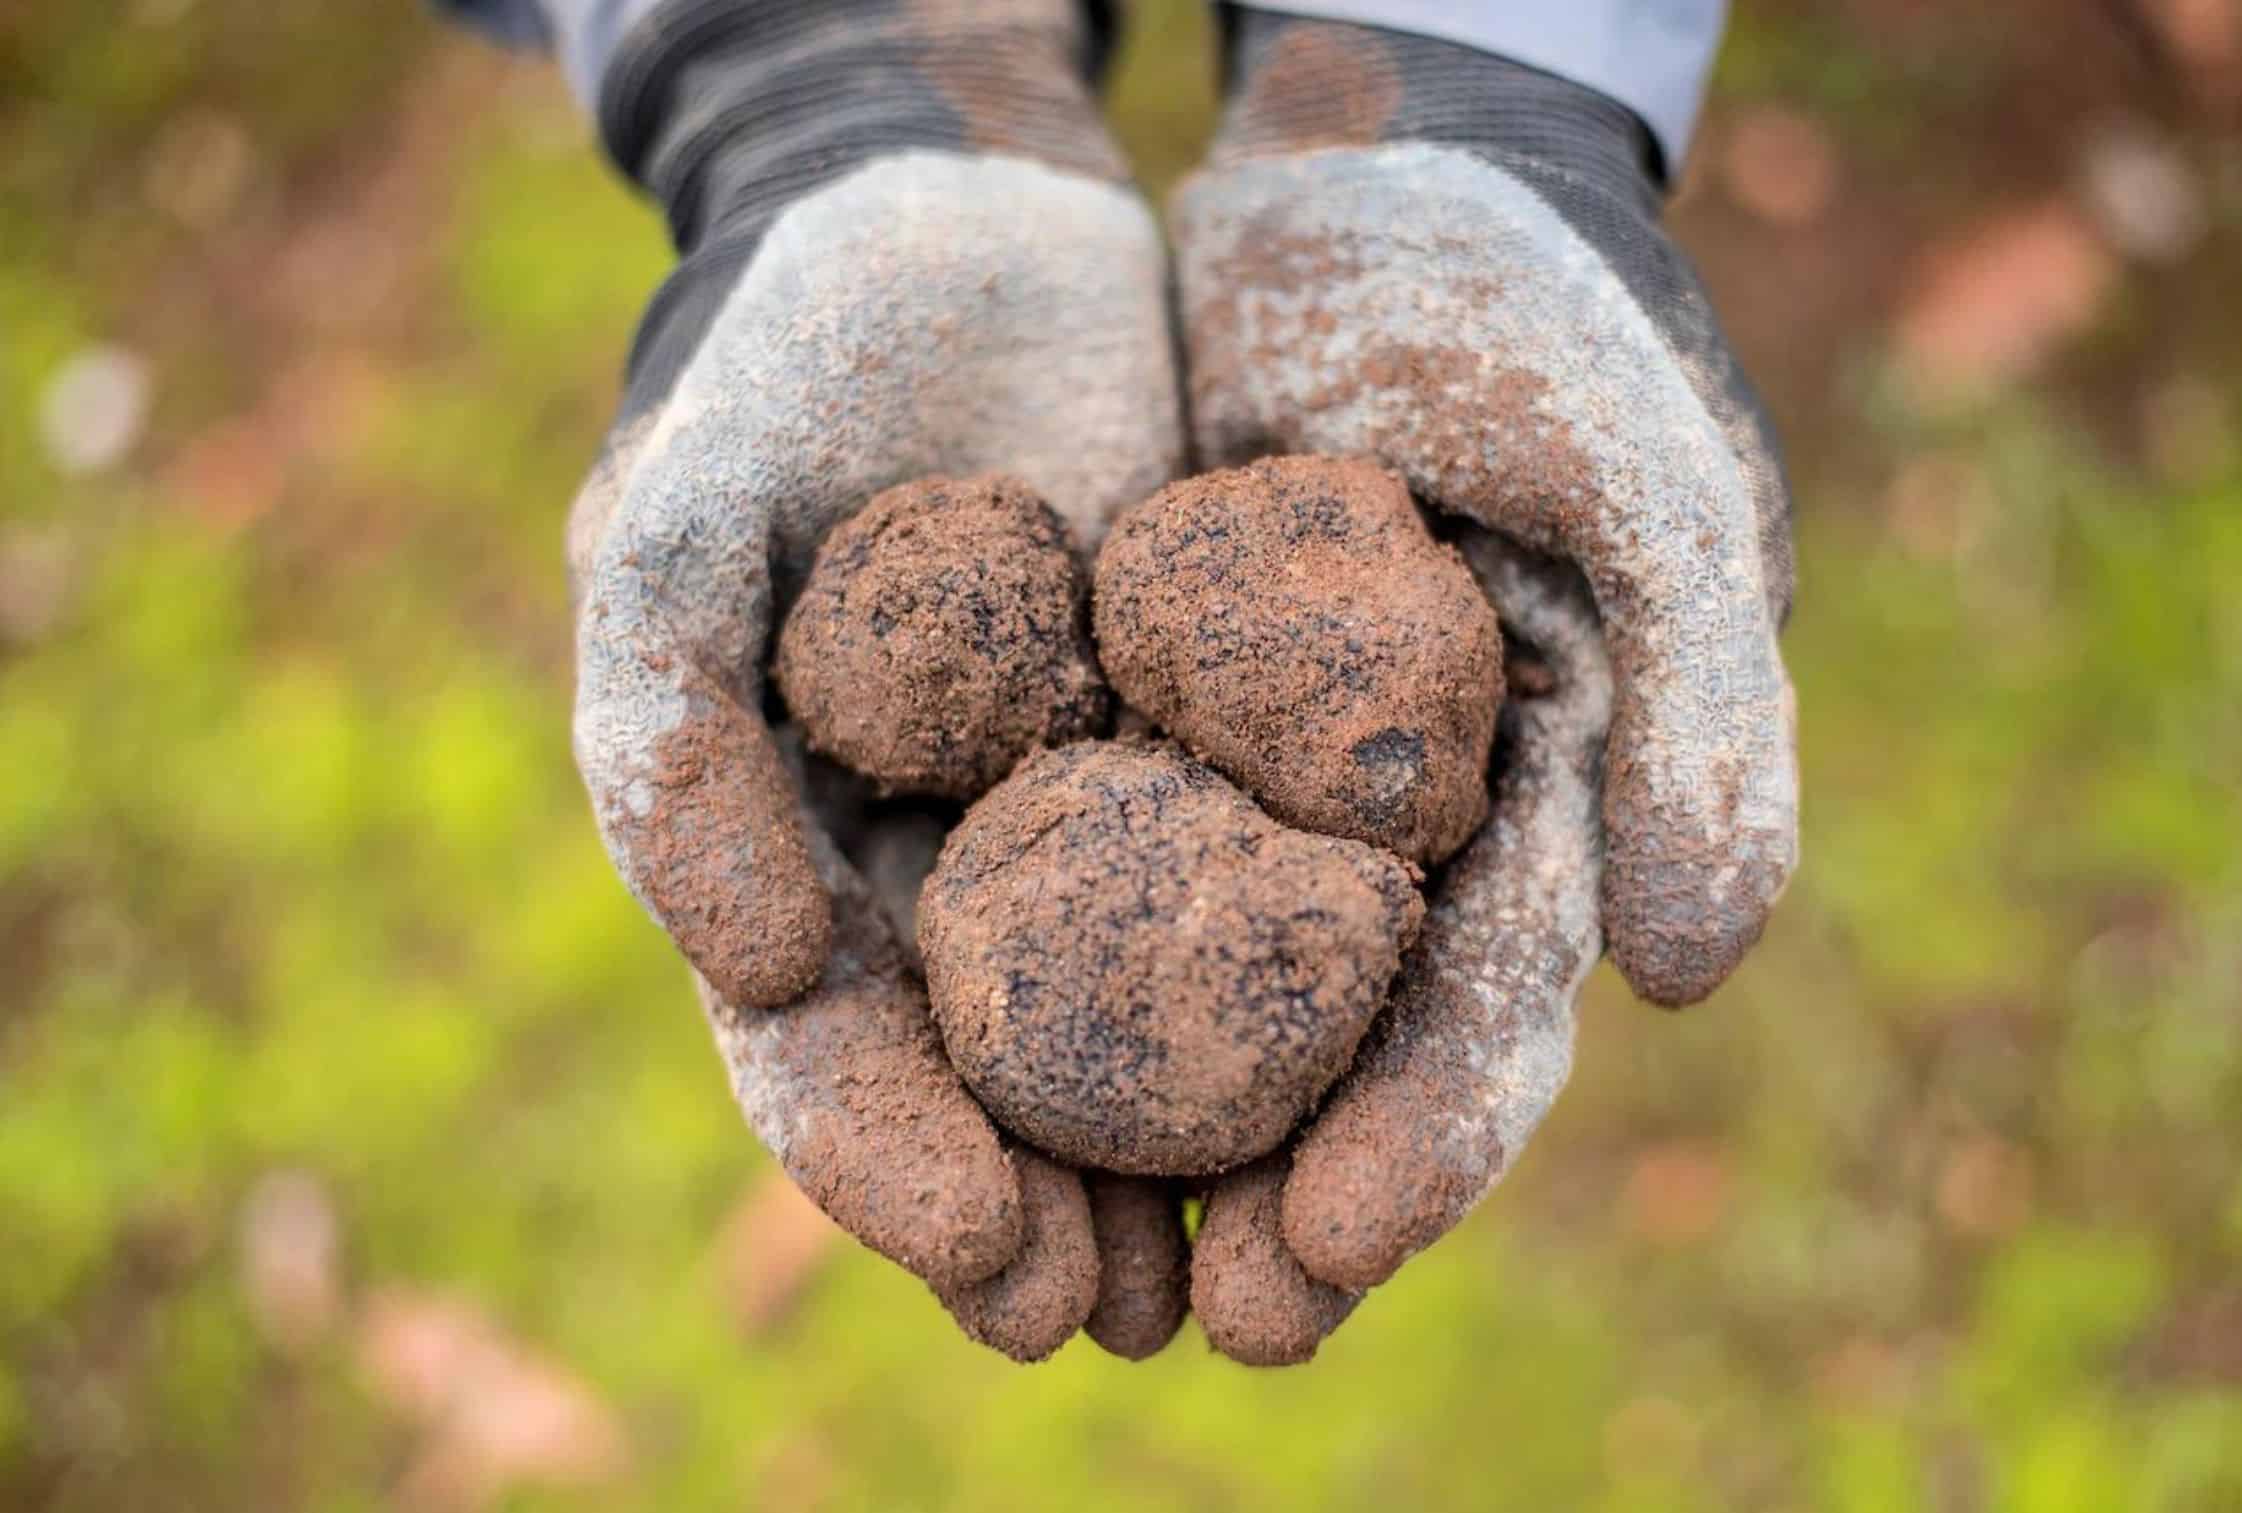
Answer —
1294 624
1255 1302
1136 969
942 635
1035 1305
1144 1280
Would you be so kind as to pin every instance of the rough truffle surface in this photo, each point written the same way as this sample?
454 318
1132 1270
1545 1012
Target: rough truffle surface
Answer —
1294 624
1134 968
942 635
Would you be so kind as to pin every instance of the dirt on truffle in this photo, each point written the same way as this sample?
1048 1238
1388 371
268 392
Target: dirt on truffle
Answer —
1144 1261
1033 1306
942 635
1294 624
1255 1302
1136 969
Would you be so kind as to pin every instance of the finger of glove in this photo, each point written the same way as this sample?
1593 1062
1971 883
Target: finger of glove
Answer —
1256 1304
1663 282
1734 403
1421 305
693 803
1694 338
929 313
1476 1042
1144 1264
851 1091
1035 1304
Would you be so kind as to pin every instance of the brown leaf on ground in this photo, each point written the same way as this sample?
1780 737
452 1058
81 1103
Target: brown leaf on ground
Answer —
797 1474
1677 1192
2201 1340
771 1248
1985 1187
1862 1373
230 475
493 1414
291 1259
40 568
1995 301
1779 165
1651 1432
1938 504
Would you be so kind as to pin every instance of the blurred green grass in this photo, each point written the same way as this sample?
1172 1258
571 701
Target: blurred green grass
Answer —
1939 1205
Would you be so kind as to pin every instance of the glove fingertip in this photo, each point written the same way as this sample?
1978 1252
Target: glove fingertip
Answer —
1253 1299
1144 1266
777 942
1350 1216
711 836
1678 929
849 1089
1037 1302
957 1219
1392 1165
1701 832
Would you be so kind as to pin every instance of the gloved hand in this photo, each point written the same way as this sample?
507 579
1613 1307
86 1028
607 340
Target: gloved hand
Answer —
1409 249
906 249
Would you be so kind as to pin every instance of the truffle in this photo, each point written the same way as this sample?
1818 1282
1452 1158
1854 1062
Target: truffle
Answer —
1294 624
941 636
1134 968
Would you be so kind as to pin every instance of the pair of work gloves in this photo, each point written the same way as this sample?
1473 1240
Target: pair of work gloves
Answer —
909 247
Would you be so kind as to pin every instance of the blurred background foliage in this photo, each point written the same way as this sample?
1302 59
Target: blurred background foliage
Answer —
359 1145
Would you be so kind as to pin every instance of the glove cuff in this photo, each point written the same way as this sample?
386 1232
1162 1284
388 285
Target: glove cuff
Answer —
1295 85
728 110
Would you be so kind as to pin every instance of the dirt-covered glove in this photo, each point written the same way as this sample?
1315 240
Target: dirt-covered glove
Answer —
1406 248
1410 249
906 249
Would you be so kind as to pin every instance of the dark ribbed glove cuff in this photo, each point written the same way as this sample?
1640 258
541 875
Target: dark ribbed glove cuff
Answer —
1297 84
727 111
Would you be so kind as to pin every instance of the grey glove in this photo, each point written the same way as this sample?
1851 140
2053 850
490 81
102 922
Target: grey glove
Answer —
1453 263
906 250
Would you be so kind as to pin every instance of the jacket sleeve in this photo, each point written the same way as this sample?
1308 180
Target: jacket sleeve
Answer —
1652 56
